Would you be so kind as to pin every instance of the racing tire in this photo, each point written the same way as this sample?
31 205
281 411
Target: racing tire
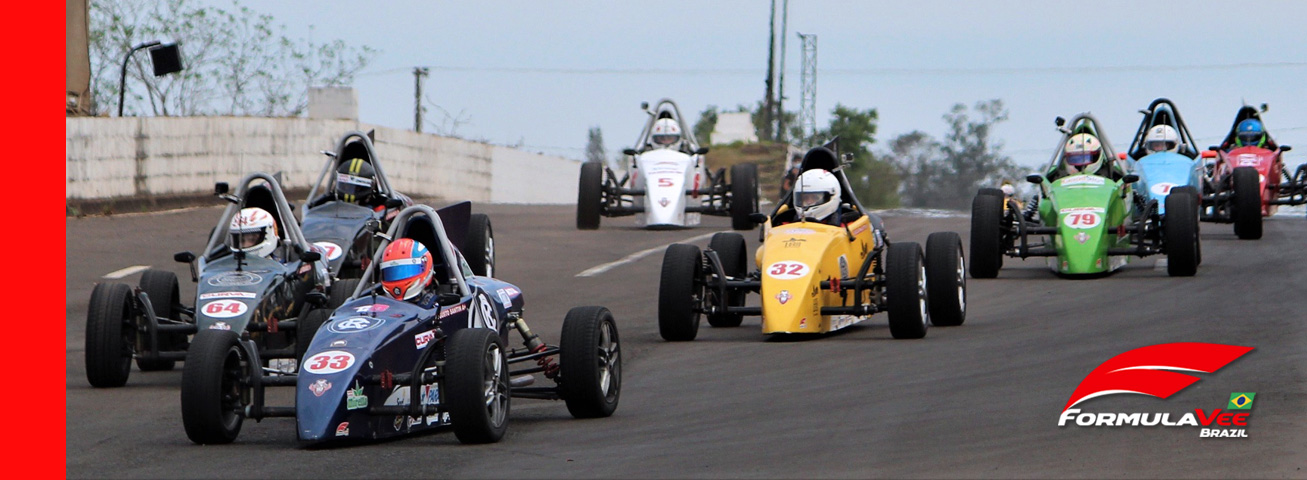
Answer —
109 335
731 251
946 279
307 328
339 293
1247 203
214 387
590 361
986 235
679 292
744 195
1198 204
164 292
991 191
476 385
1180 225
906 291
480 245
590 196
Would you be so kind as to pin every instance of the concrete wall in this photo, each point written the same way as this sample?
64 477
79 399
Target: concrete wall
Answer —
111 158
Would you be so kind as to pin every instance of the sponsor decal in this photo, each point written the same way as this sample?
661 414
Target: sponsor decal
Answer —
432 396
484 314
304 268
513 292
788 270
783 297
861 229
1098 263
503 298
224 308
353 180
355 398
450 310
793 242
319 387
1249 160
863 250
1082 237
799 231
1082 209
1082 220
844 267
1064 266
423 339
342 430
235 279
1156 371
1083 180
664 201
803 322
1162 188
328 362
356 324
219 326
399 423
206 296
376 307
337 343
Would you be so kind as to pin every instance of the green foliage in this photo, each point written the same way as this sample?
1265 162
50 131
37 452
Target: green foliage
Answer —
594 147
704 127
947 174
875 182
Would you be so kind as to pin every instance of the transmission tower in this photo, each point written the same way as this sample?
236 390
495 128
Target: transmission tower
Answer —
808 100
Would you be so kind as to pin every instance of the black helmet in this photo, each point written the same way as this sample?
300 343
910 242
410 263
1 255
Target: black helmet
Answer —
355 180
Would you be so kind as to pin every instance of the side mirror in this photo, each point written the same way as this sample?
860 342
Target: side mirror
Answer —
317 299
1209 154
447 299
1130 178
1035 178
221 188
1059 121
1120 156
1264 107
1213 148
629 151
701 151
183 257
644 105
394 203
309 257
758 218
1285 148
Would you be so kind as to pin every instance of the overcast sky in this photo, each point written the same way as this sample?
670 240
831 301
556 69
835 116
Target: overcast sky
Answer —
912 60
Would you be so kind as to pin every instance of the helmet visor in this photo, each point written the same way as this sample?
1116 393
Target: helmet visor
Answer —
1250 138
1160 145
347 184
245 240
1081 159
666 139
811 199
401 269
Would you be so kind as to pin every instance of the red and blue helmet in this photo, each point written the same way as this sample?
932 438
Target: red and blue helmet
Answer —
406 268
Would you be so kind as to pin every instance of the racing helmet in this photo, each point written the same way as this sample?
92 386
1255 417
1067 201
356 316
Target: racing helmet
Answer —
254 232
1082 154
1162 138
355 180
406 269
666 133
1249 132
816 194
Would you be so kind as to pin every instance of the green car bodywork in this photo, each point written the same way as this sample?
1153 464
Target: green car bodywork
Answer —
1088 212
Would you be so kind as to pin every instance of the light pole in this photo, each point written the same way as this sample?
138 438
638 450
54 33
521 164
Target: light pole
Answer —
166 59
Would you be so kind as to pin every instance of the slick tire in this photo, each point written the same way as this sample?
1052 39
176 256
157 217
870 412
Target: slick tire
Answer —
744 195
476 385
109 335
164 292
991 191
986 235
1247 203
590 196
307 328
731 251
339 293
213 405
590 361
680 283
946 279
906 291
1198 216
480 244
1180 225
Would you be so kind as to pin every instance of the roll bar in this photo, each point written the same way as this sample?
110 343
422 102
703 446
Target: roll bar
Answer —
327 182
686 131
451 258
290 226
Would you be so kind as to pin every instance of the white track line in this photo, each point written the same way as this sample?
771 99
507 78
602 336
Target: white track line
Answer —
632 258
116 274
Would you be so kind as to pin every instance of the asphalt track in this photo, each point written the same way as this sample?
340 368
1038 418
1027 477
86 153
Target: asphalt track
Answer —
980 400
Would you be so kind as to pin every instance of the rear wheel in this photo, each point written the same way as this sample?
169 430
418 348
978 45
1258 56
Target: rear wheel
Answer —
480 245
109 335
744 195
679 293
476 385
590 361
1180 225
164 293
215 387
1247 203
946 277
307 328
730 250
906 291
986 235
339 293
589 196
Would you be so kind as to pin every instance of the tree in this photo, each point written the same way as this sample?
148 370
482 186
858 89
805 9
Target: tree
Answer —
594 148
707 123
916 156
238 62
875 182
947 174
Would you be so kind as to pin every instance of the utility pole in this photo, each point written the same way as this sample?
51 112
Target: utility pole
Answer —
808 100
780 88
419 73
769 102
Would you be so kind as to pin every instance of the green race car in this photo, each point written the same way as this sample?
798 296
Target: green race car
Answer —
1087 218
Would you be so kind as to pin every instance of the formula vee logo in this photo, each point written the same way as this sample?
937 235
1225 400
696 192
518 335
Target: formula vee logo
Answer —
1155 371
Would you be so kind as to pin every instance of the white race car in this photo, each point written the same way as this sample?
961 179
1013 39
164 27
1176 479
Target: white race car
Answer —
666 181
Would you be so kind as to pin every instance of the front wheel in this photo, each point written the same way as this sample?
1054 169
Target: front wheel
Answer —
590 361
1180 225
1247 203
215 387
731 251
109 335
946 277
480 245
163 290
680 291
590 196
906 291
744 195
476 385
986 235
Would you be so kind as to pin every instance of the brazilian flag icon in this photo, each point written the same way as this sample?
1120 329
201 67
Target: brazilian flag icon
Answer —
1241 401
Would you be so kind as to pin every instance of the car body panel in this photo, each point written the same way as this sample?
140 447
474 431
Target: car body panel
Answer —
1161 172
670 179
795 258
1087 211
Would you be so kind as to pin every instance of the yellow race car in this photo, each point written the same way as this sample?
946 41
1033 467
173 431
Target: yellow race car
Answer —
815 277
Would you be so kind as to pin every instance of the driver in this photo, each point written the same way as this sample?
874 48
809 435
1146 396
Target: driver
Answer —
817 197
1162 138
407 273
1250 133
356 182
254 232
1082 154
666 134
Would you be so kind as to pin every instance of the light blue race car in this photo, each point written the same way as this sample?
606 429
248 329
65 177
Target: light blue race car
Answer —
1164 155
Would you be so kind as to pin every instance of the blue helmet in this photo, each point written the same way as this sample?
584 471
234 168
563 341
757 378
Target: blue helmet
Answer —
1249 132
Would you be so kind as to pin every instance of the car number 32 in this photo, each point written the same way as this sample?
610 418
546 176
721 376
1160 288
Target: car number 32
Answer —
787 270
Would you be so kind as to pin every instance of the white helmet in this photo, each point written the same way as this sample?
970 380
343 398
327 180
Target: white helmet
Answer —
816 194
1162 138
1082 154
254 232
666 134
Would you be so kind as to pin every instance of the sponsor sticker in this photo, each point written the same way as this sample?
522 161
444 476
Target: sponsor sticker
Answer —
793 242
211 295
503 298
356 324
450 310
319 387
235 279
353 180
484 315
1162 188
376 307
423 339
783 297
337 343
861 229
1083 180
788 270
330 251
355 399
219 326
331 361
1082 237
803 322
342 430
799 231
224 308
1249 160
664 201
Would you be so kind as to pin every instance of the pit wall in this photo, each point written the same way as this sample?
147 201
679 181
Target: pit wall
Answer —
144 157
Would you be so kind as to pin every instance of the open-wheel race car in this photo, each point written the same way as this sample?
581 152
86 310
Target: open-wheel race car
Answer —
353 199
380 367
666 181
1087 218
1248 179
815 275
1164 156
260 290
